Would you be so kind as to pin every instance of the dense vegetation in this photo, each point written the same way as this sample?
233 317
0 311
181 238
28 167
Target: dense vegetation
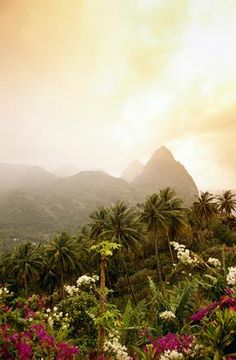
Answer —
154 281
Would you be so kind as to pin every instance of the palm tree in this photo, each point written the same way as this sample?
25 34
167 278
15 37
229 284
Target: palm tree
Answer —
174 212
205 208
99 222
63 256
227 203
161 213
26 264
119 224
124 227
153 219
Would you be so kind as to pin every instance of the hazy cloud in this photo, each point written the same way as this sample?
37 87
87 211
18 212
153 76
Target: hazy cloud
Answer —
98 83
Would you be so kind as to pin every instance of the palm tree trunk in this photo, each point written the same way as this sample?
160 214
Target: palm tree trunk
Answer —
129 281
171 252
62 286
101 330
26 286
157 259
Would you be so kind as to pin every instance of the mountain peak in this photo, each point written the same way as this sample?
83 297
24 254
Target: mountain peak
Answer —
162 154
162 170
132 171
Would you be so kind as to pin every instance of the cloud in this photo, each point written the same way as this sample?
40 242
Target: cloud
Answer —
100 83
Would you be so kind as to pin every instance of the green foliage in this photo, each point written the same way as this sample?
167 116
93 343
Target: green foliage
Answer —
217 335
105 248
80 309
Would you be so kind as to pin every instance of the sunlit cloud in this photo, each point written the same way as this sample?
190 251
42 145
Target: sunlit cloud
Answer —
101 83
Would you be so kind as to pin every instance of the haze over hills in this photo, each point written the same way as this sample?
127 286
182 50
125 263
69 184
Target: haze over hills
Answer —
16 176
132 171
66 170
35 205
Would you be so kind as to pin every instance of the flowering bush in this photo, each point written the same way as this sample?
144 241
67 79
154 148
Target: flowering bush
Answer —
170 346
231 276
33 342
23 337
167 315
184 255
214 262
114 348
84 282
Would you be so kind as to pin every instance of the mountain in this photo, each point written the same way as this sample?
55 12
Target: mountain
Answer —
17 176
35 205
66 170
132 171
38 213
163 170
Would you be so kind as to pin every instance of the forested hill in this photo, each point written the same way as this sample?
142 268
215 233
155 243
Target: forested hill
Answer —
34 204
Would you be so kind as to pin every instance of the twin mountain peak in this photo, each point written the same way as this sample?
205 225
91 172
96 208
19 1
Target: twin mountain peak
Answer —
160 171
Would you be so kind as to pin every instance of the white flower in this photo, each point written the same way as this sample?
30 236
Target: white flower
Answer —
86 280
183 254
171 355
113 347
50 321
167 315
48 310
231 277
214 262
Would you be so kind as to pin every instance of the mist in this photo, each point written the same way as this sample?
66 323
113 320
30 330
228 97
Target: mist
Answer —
97 84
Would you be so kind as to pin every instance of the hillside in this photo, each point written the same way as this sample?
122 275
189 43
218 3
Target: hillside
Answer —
34 204
17 176
65 204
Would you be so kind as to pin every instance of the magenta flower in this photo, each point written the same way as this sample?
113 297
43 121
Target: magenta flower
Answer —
172 342
200 314
24 351
66 351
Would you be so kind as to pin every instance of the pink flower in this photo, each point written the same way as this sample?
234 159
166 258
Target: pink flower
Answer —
24 351
200 314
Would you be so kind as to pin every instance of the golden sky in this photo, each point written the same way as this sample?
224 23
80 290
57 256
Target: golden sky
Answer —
100 82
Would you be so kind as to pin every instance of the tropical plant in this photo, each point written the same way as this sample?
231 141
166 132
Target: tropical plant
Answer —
205 208
63 256
105 249
162 213
26 264
227 203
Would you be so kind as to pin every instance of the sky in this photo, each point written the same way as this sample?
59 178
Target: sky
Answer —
97 83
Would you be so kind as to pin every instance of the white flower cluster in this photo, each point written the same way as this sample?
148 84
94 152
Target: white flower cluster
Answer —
172 355
71 290
113 347
54 315
214 262
183 254
86 280
167 315
3 292
82 280
231 277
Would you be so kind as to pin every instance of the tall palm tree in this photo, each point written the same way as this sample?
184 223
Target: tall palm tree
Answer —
63 256
124 228
174 213
152 217
162 213
227 202
205 208
119 224
26 264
